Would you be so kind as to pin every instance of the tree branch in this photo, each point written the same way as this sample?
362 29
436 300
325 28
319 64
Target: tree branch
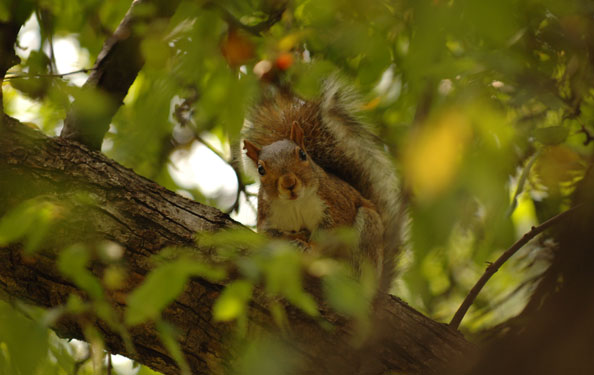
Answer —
143 218
11 77
494 267
115 70
8 35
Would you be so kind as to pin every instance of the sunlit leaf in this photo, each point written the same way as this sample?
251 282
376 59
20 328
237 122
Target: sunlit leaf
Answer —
279 315
346 295
232 303
283 273
557 164
433 155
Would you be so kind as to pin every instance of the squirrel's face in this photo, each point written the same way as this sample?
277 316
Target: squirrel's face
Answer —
286 171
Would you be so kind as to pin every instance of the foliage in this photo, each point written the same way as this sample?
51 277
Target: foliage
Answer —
486 107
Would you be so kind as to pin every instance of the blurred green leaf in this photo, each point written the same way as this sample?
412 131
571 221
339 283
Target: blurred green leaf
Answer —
26 342
170 339
283 273
266 356
552 135
232 303
31 221
231 243
346 295
61 351
73 262
279 315
310 77
163 285
4 13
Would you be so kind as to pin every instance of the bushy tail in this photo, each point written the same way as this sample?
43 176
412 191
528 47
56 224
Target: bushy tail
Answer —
366 165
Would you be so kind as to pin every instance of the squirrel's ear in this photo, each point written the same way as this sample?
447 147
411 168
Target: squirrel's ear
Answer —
297 134
253 152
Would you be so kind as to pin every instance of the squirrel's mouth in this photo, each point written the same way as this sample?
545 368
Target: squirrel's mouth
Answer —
290 195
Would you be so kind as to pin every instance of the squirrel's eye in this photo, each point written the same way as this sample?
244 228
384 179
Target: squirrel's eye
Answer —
302 155
261 170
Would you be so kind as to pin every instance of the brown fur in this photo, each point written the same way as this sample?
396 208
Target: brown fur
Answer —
346 150
288 177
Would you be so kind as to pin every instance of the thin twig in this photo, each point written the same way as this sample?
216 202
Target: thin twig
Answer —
241 188
45 21
183 114
494 267
79 363
589 136
54 75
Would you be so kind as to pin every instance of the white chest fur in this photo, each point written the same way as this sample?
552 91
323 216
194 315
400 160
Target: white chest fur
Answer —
294 215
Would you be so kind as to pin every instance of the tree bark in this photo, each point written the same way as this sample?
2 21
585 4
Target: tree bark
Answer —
143 218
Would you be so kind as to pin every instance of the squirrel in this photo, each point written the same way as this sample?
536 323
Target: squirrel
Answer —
321 167
297 198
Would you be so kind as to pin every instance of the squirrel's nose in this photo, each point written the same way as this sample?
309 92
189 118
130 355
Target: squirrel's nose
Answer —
288 182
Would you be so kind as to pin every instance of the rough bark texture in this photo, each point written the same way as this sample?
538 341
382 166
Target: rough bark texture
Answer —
143 218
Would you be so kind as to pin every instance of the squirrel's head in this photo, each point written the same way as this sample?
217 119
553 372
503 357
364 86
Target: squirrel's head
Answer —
286 170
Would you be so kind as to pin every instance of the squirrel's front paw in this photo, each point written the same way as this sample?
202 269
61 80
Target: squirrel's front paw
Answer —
303 245
300 238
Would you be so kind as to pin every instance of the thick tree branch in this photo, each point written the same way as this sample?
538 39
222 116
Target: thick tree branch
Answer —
115 70
8 35
143 218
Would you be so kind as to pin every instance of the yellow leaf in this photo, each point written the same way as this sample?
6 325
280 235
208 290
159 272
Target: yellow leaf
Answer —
557 164
433 155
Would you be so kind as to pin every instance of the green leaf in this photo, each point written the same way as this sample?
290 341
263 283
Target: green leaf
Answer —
26 341
163 285
60 351
346 295
170 339
279 315
267 356
232 303
310 76
4 13
552 135
230 243
73 263
283 277
31 221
